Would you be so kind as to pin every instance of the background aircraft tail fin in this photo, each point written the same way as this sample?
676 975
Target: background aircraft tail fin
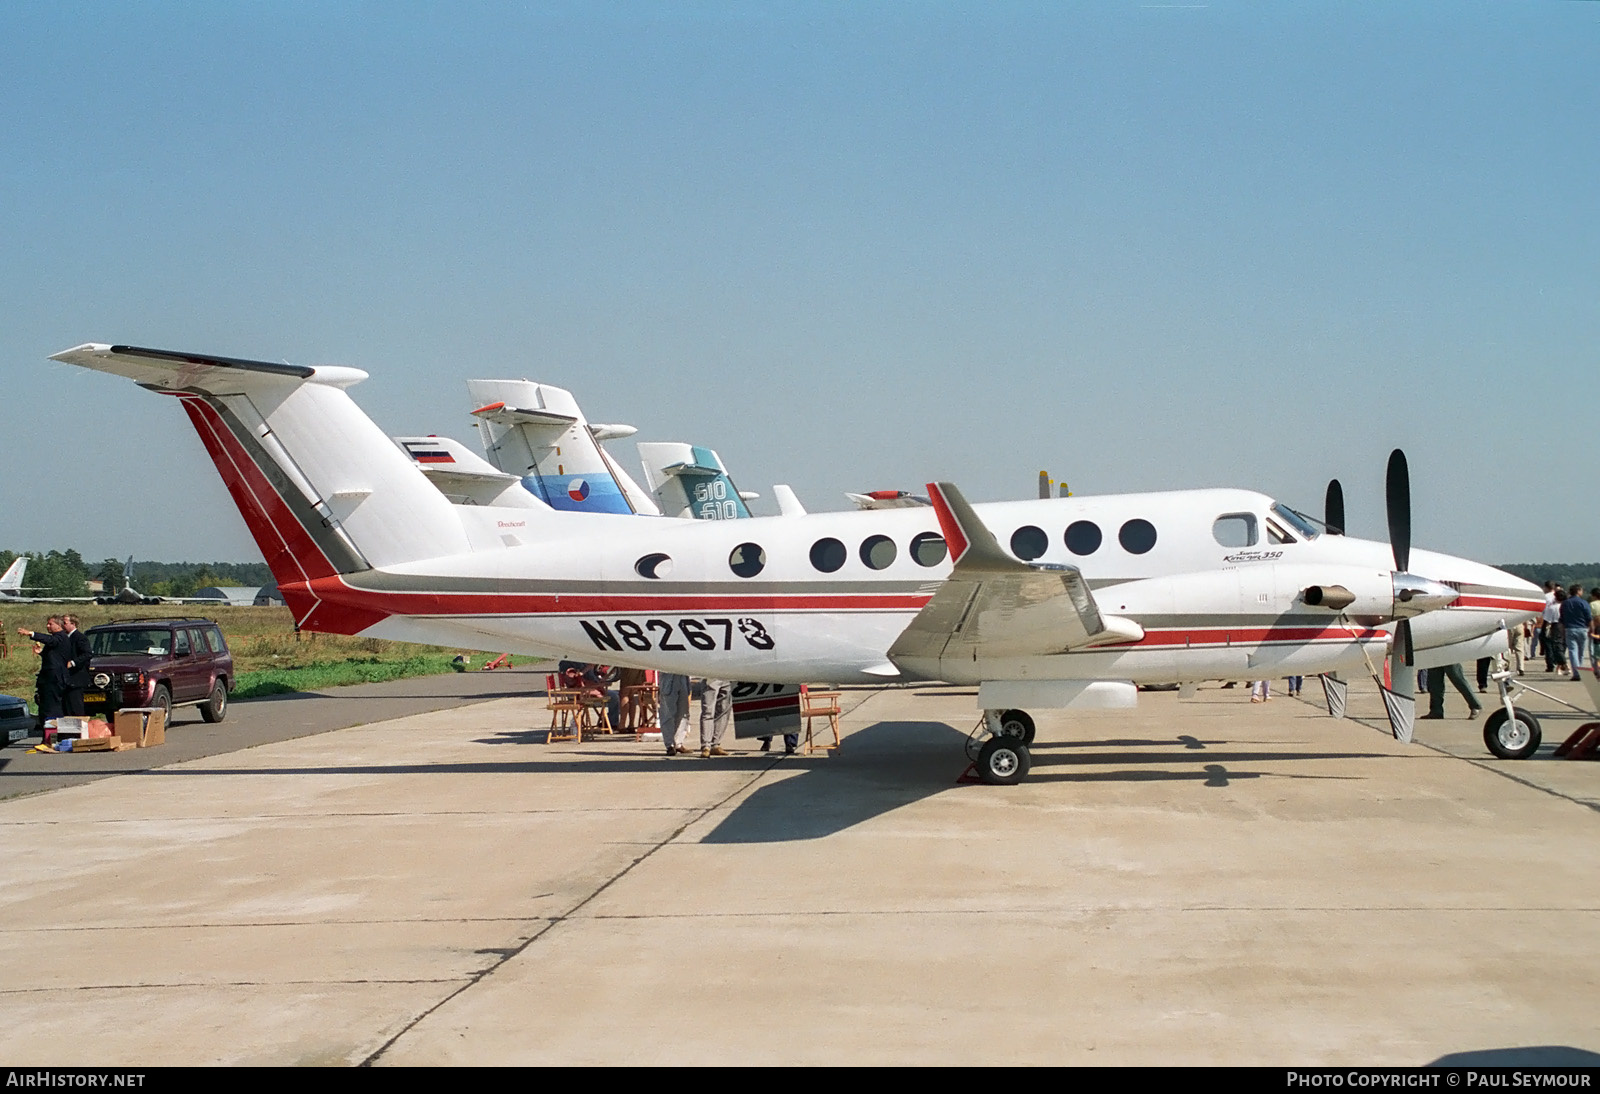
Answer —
690 481
11 582
538 433
321 488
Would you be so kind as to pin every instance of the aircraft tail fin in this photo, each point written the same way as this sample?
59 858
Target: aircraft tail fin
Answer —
537 433
321 488
690 481
11 581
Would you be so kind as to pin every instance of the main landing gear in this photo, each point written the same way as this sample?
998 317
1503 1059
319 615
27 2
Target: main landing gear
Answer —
1004 759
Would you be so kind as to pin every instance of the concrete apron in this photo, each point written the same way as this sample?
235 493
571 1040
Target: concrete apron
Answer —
1197 881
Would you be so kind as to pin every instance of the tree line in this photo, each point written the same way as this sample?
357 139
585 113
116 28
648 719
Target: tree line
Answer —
66 573
1565 574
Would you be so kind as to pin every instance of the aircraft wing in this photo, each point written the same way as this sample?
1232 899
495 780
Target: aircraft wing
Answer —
996 606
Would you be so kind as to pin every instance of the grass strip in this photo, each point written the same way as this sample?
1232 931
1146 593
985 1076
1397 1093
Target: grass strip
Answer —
364 670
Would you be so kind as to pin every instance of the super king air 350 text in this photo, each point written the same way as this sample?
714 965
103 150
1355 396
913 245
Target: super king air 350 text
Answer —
1047 604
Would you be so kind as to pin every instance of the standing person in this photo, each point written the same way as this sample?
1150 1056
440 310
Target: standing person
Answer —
1594 629
79 657
50 683
716 714
1540 625
1576 620
1547 625
1294 685
674 712
1436 680
1483 674
1555 645
1260 691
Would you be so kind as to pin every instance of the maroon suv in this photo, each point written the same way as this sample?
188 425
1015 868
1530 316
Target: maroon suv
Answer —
162 663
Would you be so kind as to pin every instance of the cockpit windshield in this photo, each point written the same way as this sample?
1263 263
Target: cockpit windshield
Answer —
1307 527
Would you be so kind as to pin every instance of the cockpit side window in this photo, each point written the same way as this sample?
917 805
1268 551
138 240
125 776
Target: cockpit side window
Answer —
1276 534
1236 530
1304 527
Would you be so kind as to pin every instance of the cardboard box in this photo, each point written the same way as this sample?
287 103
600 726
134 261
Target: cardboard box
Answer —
71 726
92 744
141 727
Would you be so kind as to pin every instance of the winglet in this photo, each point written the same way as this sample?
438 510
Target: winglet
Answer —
972 545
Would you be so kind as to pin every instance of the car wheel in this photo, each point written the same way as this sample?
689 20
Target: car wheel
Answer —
216 708
162 700
1511 739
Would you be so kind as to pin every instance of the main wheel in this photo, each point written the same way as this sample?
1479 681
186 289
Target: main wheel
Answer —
162 699
1511 739
1003 761
1018 724
215 708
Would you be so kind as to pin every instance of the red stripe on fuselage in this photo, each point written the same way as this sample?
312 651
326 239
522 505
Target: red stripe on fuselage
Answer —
1505 603
775 702
488 605
1246 636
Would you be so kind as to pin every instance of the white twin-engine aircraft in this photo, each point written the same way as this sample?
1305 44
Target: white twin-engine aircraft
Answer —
1047 604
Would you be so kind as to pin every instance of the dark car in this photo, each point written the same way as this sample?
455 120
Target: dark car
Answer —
15 721
162 663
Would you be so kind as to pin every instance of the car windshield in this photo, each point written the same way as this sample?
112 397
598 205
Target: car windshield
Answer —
143 642
1309 527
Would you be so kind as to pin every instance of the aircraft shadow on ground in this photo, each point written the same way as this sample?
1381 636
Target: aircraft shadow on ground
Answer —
879 769
892 764
1520 1056
474 696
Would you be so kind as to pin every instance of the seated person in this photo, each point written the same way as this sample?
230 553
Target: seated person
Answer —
636 703
593 684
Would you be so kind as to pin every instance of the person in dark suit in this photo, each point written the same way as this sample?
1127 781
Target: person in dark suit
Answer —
78 656
50 684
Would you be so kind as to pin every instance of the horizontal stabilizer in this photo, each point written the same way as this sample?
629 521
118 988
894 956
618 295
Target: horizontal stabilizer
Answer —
501 414
888 499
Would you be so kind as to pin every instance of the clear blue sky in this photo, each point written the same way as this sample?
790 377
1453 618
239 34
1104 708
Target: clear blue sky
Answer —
850 246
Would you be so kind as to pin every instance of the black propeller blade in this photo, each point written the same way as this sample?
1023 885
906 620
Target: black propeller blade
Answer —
1402 639
1333 508
1397 488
